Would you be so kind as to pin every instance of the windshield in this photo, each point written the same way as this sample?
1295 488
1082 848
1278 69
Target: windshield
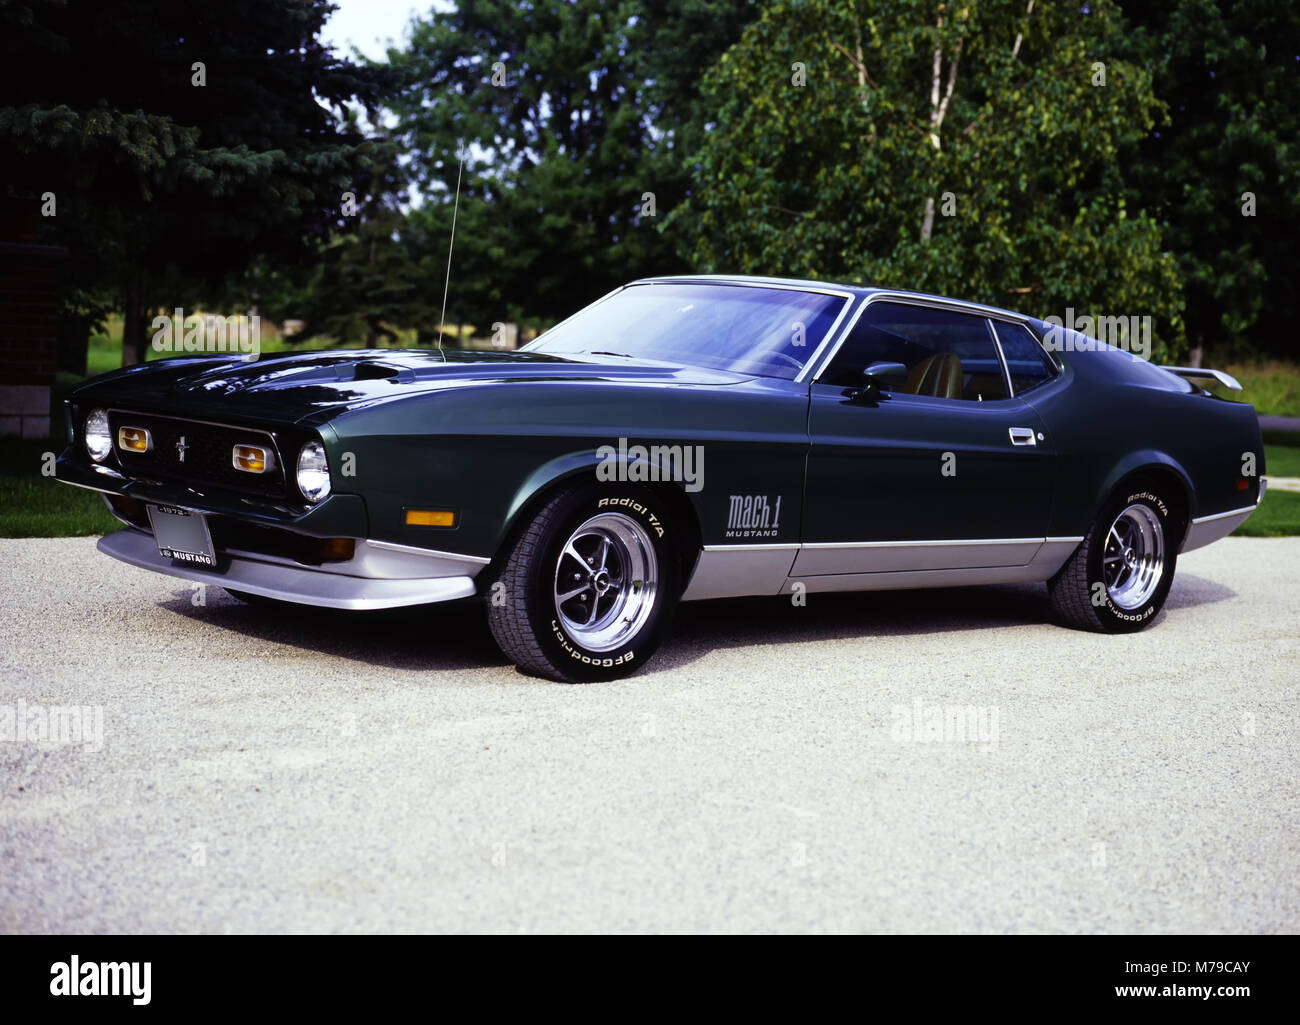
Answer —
768 332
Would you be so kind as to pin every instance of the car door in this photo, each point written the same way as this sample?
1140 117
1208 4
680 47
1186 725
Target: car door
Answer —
948 471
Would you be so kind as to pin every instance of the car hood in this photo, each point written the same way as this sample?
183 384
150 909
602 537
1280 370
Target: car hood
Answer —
290 387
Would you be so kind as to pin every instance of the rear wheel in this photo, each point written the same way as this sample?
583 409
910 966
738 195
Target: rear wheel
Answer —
1118 579
587 590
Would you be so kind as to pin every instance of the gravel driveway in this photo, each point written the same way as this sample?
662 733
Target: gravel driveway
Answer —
925 761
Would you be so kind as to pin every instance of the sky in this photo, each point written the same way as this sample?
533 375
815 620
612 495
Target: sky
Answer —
371 25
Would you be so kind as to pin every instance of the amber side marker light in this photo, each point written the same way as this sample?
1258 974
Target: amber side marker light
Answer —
337 549
430 518
134 439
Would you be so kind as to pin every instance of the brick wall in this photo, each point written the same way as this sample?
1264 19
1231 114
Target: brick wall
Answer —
29 332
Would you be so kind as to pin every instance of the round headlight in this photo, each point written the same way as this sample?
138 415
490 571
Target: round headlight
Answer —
313 472
99 439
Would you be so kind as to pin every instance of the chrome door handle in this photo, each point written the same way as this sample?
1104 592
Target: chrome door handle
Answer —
1022 435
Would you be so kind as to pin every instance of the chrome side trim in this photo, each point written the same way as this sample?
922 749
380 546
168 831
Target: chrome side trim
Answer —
1049 558
906 580
821 559
753 548
431 552
739 571
1205 530
734 571
845 545
1224 515
305 585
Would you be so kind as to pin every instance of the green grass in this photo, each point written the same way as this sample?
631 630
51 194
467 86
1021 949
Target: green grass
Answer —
1272 387
1279 513
1277 516
1282 460
33 505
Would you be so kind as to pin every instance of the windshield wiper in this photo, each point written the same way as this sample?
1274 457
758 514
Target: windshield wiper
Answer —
606 352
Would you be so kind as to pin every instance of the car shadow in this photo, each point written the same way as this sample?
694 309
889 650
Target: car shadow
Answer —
455 636
705 626
448 636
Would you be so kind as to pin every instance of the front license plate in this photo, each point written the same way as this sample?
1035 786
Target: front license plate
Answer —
182 535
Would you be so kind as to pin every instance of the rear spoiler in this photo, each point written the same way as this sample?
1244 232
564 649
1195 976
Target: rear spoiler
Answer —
1201 376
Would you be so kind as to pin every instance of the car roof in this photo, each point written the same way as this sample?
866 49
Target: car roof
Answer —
834 287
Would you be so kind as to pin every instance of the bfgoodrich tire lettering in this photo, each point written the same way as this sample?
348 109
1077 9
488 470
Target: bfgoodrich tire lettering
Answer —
1118 579
587 589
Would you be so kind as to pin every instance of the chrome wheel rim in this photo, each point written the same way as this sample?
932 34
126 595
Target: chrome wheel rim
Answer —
605 581
1133 559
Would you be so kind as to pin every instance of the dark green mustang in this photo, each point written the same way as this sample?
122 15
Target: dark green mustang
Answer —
679 439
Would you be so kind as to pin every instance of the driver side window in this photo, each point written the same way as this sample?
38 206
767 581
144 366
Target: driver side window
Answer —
948 355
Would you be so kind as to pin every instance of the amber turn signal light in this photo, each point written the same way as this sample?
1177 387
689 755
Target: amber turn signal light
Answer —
134 439
430 518
337 549
250 459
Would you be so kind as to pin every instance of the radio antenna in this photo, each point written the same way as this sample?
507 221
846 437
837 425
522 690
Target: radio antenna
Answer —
451 243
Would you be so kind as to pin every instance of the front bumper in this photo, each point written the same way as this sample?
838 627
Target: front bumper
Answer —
379 576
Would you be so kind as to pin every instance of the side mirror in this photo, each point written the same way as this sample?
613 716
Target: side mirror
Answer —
881 376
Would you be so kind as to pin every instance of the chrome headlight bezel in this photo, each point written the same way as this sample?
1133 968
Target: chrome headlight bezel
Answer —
97 435
313 476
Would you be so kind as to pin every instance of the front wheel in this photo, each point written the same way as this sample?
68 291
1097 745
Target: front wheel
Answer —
587 589
1118 579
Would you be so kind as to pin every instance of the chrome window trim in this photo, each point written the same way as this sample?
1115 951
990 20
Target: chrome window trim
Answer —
926 302
608 295
1057 368
1002 358
779 284
776 285
708 279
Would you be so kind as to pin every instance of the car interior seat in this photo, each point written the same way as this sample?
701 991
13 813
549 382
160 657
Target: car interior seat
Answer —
939 375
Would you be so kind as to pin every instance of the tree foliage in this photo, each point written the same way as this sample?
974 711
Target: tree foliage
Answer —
966 149
569 112
1223 176
181 141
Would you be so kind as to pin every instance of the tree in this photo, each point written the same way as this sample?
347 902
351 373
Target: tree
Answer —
1224 174
180 141
964 148
569 111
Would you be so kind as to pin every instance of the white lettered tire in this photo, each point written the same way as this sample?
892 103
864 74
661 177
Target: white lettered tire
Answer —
588 587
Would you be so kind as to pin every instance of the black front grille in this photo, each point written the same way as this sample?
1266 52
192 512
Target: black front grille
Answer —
195 453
